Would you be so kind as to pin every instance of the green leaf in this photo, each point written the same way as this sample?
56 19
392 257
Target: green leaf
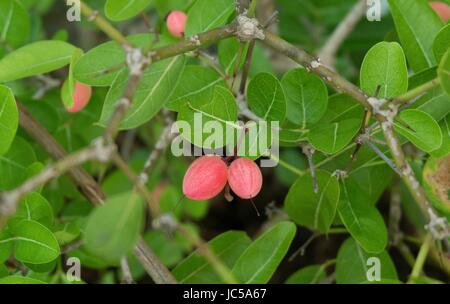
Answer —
195 269
445 147
16 279
361 218
9 119
6 246
353 265
14 23
222 109
333 137
34 243
417 25
260 260
101 65
14 164
113 228
312 274
266 98
372 180
420 128
119 10
435 183
306 96
3 271
228 52
34 59
33 207
342 107
153 91
206 15
444 72
196 85
435 102
384 65
68 88
314 210
441 43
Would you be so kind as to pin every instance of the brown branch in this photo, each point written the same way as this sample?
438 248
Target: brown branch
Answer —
92 191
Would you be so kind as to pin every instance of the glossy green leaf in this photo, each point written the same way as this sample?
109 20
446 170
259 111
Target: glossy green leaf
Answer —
333 137
34 243
16 279
420 128
314 210
4 272
34 59
196 86
385 66
266 98
417 25
14 23
9 119
153 91
33 207
6 246
206 15
119 10
354 265
14 164
445 147
342 107
260 260
113 228
372 180
222 109
101 65
306 97
361 218
444 72
441 43
68 88
195 269
435 102
312 274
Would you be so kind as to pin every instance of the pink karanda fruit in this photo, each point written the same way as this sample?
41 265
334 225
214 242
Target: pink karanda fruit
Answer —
245 178
176 23
205 178
442 9
81 96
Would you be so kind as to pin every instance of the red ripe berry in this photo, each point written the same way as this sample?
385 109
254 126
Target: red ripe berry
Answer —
81 97
442 9
245 178
176 23
205 178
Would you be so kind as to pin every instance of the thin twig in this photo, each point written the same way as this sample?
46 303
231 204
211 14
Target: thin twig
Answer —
92 191
126 272
103 24
343 30
417 92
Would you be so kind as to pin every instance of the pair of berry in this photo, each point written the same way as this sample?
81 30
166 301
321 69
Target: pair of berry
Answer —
207 176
